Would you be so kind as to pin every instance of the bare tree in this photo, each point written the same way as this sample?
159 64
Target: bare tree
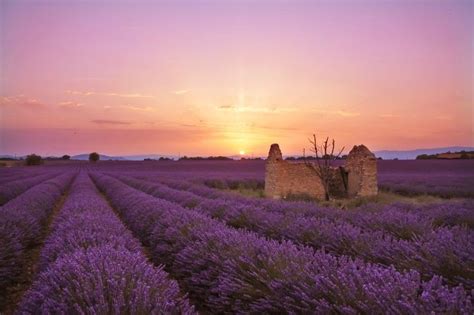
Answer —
324 156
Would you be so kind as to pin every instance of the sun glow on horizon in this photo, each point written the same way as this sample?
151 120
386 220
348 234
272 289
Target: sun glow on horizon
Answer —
283 74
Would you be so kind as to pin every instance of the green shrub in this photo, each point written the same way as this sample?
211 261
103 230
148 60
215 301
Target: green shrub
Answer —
33 159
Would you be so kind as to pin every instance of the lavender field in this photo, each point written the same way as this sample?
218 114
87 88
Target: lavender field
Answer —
187 237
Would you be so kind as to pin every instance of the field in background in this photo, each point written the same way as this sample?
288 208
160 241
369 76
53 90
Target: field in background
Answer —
444 178
224 248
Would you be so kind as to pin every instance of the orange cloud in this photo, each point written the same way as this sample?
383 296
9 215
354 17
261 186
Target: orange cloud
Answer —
257 109
126 95
21 101
138 108
180 92
110 122
338 112
70 105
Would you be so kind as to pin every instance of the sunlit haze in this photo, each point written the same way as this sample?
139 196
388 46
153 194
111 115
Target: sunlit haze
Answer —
232 77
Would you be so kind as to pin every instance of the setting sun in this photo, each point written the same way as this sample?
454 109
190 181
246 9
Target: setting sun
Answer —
242 152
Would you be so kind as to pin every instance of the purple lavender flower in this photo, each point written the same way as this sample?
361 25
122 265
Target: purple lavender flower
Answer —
91 263
21 223
104 280
405 240
235 271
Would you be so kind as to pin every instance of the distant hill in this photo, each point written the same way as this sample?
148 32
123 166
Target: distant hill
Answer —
412 154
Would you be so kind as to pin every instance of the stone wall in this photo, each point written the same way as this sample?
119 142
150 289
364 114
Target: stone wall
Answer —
361 166
357 178
283 178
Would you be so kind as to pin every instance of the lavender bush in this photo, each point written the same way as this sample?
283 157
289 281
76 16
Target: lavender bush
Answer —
16 174
22 221
85 220
448 179
444 185
232 253
230 270
104 280
443 251
14 188
401 220
92 264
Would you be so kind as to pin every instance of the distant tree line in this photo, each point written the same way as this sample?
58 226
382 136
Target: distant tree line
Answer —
200 158
311 157
209 158
461 155
54 158
162 158
35 159
251 159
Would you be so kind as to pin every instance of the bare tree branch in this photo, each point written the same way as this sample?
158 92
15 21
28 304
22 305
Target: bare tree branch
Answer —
324 155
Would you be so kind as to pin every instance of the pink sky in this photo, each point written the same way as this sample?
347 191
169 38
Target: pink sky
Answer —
218 77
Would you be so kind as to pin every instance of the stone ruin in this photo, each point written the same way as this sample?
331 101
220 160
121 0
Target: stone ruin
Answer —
357 178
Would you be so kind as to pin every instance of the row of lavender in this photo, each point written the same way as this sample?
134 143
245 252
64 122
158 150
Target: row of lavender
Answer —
401 220
448 252
454 178
22 222
232 270
6 177
448 179
442 184
92 264
13 188
445 178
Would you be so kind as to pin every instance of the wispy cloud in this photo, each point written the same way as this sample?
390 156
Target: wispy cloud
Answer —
180 92
70 105
257 109
138 108
110 122
344 113
21 101
338 112
125 95
265 127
